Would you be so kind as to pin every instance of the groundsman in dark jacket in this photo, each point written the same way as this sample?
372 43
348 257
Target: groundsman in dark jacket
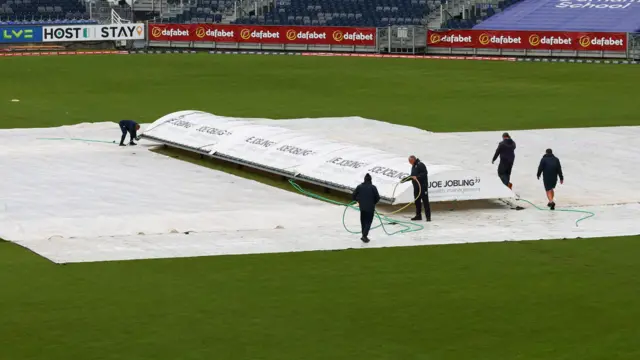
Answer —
507 152
420 180
367 196
551 171
131 127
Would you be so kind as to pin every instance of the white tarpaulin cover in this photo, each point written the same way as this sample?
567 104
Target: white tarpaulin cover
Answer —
310 156
75 201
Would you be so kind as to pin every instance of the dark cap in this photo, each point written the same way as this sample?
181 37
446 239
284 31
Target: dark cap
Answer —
367 178
549 151
506 135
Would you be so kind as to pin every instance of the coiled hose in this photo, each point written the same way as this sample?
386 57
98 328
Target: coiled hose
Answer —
383 219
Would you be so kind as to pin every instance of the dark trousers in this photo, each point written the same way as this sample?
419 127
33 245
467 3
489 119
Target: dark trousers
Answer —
124 134
366 219
504 172
422 200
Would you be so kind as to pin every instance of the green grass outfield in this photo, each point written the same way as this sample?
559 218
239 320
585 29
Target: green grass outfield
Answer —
543 300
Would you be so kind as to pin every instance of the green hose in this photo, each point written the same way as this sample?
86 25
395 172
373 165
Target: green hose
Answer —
589 214
77 139
408 226
405 226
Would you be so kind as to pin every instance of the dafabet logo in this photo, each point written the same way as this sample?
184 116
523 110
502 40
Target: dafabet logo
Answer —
247 34
534 40
588 41
484 39
203 32
436 38
585 41
340 36
157 32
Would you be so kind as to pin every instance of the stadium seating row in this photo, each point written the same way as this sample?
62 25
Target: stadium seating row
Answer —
42 12
622 15
345 12
319 12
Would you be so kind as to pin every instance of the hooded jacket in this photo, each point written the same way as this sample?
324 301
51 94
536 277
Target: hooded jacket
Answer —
506 150
366 194
550 168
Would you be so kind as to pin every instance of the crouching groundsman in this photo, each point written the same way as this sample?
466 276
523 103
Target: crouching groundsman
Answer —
366 194
131 127
551 170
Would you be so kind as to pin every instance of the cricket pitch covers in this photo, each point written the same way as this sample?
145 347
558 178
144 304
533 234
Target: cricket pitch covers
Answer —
79 201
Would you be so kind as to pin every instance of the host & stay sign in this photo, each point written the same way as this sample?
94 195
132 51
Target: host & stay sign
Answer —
112 32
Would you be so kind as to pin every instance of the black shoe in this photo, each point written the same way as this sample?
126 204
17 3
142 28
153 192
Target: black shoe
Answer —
122 144
132 144
548 204
416 218
428 219
364 239
553 206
